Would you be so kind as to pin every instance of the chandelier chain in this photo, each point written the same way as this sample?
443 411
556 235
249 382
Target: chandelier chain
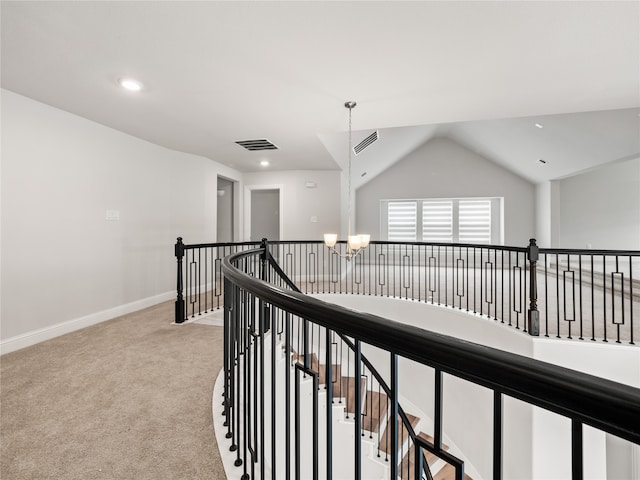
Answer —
350 106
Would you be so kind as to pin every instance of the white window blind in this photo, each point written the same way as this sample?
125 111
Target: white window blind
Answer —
442 220
402 224
474 221
437 221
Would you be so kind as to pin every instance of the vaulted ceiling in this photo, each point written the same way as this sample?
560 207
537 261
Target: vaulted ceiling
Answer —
481 73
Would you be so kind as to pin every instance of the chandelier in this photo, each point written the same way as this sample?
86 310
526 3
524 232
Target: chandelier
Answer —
355 243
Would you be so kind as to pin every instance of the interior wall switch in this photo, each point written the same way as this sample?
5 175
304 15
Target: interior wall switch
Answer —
112 215
314 219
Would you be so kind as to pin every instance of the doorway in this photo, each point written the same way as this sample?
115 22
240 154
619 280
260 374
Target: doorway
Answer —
265 214
225 211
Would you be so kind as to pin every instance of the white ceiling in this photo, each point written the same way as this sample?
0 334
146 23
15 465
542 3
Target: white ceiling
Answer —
481 73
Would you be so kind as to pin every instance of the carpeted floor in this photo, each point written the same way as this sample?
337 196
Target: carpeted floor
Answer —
129 398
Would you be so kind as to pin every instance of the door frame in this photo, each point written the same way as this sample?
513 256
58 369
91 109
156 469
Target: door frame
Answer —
248 189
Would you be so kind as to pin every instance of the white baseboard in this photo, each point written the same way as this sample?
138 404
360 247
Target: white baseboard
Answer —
40 335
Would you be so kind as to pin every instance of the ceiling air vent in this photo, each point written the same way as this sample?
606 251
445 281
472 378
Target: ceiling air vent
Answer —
365 143
260 144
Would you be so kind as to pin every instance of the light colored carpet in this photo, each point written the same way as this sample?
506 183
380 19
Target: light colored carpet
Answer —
129 398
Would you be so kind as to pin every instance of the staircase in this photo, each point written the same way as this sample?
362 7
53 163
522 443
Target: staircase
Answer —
376 429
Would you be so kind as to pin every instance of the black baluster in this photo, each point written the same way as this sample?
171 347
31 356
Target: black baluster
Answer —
179 252
533 324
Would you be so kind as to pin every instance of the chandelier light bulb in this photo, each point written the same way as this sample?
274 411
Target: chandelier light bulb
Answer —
330 239
354 242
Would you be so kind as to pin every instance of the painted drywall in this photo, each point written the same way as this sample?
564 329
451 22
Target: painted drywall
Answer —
543 214
442 168
307 211
62 260
600 209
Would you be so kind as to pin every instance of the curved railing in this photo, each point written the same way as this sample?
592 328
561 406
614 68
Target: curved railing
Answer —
573 294
383 389
254 306
246 327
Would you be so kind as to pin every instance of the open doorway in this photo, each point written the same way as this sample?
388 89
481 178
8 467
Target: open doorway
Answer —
265 214
225 211
263 207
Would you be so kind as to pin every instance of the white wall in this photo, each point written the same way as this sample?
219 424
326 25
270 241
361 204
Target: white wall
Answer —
600 208
441 168
61 260
543 214
300 204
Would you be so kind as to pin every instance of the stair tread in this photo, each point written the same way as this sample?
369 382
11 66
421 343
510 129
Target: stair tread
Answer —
336 374
299 358
347 389
448 472
375 410
403 433
321 369
408 462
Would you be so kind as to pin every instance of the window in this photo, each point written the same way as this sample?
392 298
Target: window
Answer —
455 220
402 222
474 221
437 221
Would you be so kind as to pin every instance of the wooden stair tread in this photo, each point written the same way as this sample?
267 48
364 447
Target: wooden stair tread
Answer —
403 433
408 462
375 410
336 373
300 359
448 472
320 369
347 389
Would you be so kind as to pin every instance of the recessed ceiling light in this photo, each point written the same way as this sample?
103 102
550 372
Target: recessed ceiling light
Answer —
130 84
264 163
539 125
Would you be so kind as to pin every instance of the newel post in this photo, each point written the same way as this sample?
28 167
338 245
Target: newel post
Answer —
264 245
265 323
533 318
179 251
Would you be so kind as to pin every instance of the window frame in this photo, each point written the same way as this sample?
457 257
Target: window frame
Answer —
497 218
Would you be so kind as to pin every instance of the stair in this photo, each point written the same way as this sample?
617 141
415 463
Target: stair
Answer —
448 472
375 409
403 434
408 462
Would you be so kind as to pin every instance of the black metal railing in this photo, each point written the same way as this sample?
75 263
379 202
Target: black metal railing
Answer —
275 336
592 294
346 380
574 294
199 276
